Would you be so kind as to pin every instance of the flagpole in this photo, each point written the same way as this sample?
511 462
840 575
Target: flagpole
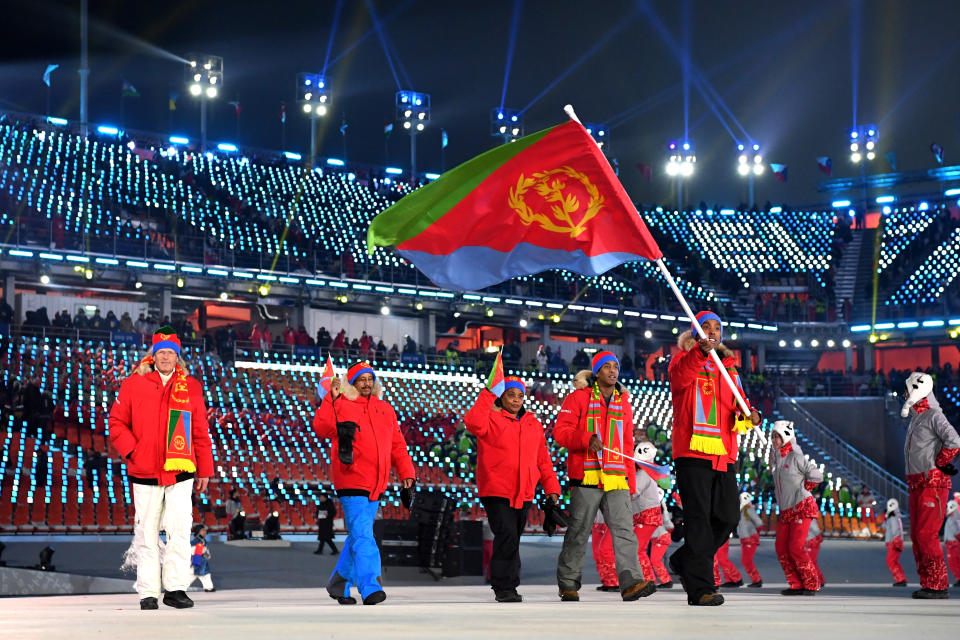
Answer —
744 407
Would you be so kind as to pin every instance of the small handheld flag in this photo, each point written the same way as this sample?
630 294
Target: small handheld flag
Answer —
325 379
825 164
658 472
495 382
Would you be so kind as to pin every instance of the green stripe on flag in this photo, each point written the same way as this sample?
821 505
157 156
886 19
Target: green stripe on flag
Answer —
425 206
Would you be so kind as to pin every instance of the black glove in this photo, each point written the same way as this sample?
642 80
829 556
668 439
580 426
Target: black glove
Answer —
553 517
406 495
345 433
948 469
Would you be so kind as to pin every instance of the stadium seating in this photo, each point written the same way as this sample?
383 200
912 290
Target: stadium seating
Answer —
260 413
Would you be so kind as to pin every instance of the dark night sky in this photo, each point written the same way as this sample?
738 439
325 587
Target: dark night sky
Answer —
782 68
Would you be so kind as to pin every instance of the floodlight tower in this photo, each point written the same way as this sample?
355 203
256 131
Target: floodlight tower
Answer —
313 96
204 75
413 112
749 164
506 124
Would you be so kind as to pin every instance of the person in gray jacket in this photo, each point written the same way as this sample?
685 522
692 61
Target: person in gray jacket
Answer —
893 538
645 503
748 530
794 475
931 445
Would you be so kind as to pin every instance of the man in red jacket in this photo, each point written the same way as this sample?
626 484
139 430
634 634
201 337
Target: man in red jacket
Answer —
158 424
512 458
366 441
705 455
595 424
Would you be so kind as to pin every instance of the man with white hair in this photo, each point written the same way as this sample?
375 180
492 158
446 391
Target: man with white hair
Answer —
158 424
931 445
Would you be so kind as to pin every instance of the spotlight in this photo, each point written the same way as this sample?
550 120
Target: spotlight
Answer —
406 124
873 338
195 90
456 314
88 274
419 126
523 322
814 343
782 343
342 299
46 556
734 337
489 313
854 146
556 319
757 169
419 306
321 110
180 283
137 285
854 157
307 107
743 169
263 290
846 344
871 155
798 343
619 324
384 310
44 279
211 92
224 295
831 343
648 334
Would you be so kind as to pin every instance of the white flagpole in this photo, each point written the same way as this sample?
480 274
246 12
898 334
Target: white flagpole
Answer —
744 407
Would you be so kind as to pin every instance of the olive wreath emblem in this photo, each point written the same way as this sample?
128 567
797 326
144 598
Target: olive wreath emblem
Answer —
550 186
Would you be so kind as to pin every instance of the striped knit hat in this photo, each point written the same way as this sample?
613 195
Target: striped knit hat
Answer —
602 358
513 382
165 338
702 317
358 370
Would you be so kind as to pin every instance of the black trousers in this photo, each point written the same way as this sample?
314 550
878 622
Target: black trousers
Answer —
710 512
507 525
326 538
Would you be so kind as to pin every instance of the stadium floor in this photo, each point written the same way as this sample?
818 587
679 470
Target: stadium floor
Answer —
851 611
255 598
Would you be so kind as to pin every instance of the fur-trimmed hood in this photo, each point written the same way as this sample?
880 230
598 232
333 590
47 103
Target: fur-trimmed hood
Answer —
350 392
686 341
584 379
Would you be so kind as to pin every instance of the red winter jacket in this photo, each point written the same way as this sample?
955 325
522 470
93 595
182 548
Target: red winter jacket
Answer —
682 372
376 444
138 427
512 453
570 430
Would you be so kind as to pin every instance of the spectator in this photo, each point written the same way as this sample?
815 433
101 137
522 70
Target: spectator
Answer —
409 346
111 323
394 354
42 467
326 512
126 323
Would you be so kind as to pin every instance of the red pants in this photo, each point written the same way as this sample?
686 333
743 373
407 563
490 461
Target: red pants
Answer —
953 558
643 533
893 560
657 550
602 543
721 561
800 572
748 547
928 506
813 550
487 555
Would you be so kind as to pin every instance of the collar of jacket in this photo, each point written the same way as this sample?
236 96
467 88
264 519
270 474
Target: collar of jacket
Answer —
785 449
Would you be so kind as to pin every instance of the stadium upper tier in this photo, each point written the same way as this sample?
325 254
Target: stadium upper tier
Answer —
260 412
112 195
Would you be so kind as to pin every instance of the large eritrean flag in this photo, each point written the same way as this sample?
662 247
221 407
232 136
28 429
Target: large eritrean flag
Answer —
549 200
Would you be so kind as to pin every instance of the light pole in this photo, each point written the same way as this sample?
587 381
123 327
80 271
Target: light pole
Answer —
680 164
506 124
313 96
749 167
204 74
413 110
863 149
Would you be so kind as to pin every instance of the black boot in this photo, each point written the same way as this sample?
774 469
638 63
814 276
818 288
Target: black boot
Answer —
148 604
755 585
508 595
375 598
666 585
931 594
177 600
345 434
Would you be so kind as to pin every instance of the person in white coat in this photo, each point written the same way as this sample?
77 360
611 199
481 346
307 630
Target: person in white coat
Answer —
748 530
893 538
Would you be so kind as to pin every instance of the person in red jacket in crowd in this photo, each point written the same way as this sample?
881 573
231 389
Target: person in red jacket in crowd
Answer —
595 424
930 448
705 448
512 457
158 425
366 442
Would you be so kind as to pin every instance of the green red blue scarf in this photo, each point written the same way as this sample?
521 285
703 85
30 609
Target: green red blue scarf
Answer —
707 433
607 468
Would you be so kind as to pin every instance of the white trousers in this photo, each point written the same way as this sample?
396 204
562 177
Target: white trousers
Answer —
206 580
170 509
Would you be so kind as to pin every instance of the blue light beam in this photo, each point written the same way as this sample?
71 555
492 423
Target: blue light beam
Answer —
511 45
333 32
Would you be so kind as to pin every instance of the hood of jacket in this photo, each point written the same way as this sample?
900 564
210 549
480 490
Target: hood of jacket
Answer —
351 393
